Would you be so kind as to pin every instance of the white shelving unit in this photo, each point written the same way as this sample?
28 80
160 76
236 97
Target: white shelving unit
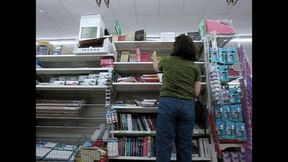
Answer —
124 88
59 126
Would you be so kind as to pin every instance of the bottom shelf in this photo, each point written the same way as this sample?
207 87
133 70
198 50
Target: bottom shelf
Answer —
154 158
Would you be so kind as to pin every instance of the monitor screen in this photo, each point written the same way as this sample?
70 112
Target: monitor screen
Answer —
89 32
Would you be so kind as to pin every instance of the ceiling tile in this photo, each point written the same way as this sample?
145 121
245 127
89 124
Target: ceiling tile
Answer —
188 23
66 24
128 24
195 7
171 7
53 8
148 23
168 23
123 7
147 7
77 8
46 27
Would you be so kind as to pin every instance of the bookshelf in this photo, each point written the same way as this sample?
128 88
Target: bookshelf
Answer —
150 90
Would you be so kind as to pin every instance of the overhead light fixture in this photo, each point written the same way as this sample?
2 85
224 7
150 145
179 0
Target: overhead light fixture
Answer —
107 3
231 2
98 2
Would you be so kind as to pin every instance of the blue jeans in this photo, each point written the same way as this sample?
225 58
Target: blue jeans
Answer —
175 122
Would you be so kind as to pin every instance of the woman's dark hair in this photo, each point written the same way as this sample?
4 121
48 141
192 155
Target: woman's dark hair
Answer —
184 47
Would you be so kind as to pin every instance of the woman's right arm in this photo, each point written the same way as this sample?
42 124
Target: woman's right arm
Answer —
155 63
197 88
197 84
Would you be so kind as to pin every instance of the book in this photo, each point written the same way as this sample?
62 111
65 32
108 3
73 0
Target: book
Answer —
146 123
195 148
124 56
129 122
132 57
208 147
145 57
138 55
201 147
140 35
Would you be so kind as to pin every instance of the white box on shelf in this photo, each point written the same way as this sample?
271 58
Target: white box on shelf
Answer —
102 82
107 48
89 81
69 82
58 83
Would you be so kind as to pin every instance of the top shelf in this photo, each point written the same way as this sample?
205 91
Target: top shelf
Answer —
148 45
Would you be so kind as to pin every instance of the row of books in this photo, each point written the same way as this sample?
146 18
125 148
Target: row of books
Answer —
146 147
138 56
126 56
201 147
137 146
140 102
137 122
142 78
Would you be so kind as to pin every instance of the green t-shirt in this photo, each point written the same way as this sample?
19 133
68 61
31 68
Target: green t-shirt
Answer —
179 76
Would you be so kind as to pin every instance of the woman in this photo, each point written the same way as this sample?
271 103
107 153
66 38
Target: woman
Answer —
175 116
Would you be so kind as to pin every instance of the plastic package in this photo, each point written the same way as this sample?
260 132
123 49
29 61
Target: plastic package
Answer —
220 128
219 27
